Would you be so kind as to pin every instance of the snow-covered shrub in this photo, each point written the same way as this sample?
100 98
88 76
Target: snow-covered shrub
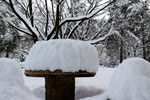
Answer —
10 71
12 82
131 81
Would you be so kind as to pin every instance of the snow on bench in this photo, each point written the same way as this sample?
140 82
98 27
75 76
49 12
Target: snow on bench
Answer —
66 55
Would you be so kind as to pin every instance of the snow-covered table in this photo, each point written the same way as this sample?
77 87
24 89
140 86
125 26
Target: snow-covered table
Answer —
59 85
59 62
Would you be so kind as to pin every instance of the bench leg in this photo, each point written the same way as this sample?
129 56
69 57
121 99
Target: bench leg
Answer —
60 87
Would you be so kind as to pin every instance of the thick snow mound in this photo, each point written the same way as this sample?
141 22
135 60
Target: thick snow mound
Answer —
10 70
12 83
131 81
66 55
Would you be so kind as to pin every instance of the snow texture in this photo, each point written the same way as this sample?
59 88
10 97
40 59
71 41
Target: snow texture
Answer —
12 83
131 81
62 54
86 88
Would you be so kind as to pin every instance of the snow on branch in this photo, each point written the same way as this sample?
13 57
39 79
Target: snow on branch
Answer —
41 30
73 29
100 30
85 17
18 28
135 37
111 32
79 18
24 19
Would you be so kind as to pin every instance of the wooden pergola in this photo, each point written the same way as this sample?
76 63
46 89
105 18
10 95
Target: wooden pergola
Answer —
59 85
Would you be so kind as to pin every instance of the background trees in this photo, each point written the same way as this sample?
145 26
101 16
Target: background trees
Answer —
123 32
10 39
131 20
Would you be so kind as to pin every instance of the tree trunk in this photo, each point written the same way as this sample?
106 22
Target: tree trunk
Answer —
121 51
60 87
144 48
7 53
57 22
31 12
35 39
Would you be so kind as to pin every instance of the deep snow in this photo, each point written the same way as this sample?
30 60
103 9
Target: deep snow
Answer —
62 54
12 83
130 81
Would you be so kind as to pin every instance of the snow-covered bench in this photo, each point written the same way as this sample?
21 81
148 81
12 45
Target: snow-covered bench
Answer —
12 83
60 61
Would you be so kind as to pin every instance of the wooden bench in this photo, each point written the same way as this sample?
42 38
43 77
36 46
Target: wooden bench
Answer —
59 85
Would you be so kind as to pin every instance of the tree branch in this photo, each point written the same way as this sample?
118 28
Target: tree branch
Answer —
34 36
18 28
47 18
84 17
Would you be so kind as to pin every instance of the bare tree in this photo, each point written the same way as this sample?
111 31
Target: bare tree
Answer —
55 19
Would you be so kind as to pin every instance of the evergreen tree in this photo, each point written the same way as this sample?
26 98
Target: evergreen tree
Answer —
131 19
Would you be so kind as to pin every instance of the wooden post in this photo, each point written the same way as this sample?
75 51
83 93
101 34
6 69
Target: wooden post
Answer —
60 87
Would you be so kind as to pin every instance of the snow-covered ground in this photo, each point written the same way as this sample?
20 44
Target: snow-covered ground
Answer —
130 81
85 87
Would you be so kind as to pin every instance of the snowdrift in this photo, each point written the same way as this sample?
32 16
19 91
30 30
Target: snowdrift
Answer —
12 83
131 81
